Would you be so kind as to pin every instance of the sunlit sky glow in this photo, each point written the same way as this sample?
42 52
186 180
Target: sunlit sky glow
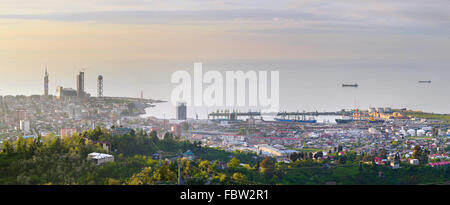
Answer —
88 30
108 35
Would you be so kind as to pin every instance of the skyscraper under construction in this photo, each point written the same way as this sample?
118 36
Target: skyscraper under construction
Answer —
46 82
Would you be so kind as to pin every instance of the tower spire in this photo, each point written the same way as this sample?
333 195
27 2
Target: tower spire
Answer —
46 81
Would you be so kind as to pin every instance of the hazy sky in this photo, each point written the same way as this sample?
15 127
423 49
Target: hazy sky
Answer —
118 36
39 31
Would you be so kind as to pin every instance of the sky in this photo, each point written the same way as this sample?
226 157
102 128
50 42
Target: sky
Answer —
40 31
123 38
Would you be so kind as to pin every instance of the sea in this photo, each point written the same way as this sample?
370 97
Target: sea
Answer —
304 85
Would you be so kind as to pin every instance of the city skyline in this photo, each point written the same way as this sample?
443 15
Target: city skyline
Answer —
351 98
225 92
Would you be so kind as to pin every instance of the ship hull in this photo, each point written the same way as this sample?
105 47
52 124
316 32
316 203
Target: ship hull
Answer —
296 121
342 121
376 121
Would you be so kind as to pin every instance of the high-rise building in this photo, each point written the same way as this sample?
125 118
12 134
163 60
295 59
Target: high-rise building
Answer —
65 93
100 86
46 82
181 111
80 84
20 114
24 125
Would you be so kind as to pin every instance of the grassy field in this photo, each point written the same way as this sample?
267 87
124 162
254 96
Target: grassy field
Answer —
431 116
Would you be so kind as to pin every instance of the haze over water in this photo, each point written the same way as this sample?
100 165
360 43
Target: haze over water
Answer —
309 86
319 88
384 46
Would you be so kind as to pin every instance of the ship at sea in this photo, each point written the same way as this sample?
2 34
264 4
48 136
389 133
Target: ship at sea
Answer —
350 85
424 81
285 117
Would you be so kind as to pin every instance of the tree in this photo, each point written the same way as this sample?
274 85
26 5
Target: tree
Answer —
320 154
420 154
238 178
204 165
21 145
294 156
340 148
435 131
142 178
154 136
7 147
234 163
186 126
164 174
168 135
111 181
397 157
267 166
417 152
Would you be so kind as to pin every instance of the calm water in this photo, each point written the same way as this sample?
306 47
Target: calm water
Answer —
304 86
318 88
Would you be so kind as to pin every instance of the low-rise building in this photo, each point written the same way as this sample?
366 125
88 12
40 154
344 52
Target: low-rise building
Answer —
121 131
68 132
189 155
100 158
414 161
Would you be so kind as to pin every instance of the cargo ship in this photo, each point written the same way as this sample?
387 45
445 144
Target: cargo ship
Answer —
424 81
356 118
373 120
296 121
350 85
376 121
296 117
343 121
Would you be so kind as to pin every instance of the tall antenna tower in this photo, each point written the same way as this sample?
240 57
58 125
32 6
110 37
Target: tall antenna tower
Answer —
100 86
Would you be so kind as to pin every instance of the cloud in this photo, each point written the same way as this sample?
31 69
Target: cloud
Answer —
165 16
414 16
319 18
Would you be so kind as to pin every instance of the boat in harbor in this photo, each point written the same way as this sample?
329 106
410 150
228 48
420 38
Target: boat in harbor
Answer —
296 121
343 121
373 120
356 117
285 117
